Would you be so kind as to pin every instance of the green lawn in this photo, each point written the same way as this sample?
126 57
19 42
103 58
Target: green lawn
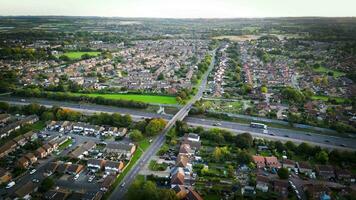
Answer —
136 97
66 144
324 70
326 98
74 55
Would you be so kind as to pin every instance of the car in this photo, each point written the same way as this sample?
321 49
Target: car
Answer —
35 180
308 134
76 177
123 184
286 135
10 185
265 131
91 178
272 134
150 141
343 145
33 171
217 124
328 141
23 100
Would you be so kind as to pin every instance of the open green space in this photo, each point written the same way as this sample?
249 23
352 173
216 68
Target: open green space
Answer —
154 166
324 70
326 98
74 55
65 145
136 97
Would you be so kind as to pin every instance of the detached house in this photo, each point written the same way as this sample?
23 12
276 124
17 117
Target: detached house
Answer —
113 167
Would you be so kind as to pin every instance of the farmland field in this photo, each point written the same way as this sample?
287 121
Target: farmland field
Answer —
136 97
73 55
324 70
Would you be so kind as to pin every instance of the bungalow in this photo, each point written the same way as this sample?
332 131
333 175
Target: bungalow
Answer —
121 148
95 164
23 162
5 176
193 195
41 152
289 164
7 148
259 161
113 167
75 169
26 189
272 162
31 157
304 167
281 187
325 171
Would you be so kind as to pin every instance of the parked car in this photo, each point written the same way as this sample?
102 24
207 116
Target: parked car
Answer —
33 171
10 185
91 178
35 180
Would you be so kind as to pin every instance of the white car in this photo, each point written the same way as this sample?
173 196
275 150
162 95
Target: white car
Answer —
265 131
76 177
91 178
35 180
33 171
10 185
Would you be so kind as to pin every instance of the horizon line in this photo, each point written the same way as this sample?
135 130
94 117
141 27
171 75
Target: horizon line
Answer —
146 17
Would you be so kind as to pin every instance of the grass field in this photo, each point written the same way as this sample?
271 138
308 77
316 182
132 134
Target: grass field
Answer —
137 97
324 70
326 98
74 55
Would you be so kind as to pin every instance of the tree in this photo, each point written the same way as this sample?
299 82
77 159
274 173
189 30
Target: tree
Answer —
4 106
46 185
160 77
147 190
136 135
283 173
47 115
322 157
264 89
155 126
244 140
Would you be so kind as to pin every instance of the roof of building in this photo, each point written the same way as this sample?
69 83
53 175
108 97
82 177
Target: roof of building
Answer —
178 179
193 195
120 146
26 189
182 160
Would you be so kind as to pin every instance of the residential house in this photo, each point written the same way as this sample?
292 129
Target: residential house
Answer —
177 179
54 145
23 162
272 162
75 169
113 167
262 183
7 148
193 195
344 175
325 171
57 194
121 132
51 168
182 161
180 191
20 140
5 176
31 157
192 140
186 150
316 191
25 191
41 152
281 187
62 168
289 164
48 148
4 118
30 136
82 150
259 161
304 168
95 164
121 148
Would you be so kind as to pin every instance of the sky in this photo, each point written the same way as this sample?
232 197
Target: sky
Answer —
181 8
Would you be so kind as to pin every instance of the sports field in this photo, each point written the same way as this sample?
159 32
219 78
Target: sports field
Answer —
74 55
137 97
